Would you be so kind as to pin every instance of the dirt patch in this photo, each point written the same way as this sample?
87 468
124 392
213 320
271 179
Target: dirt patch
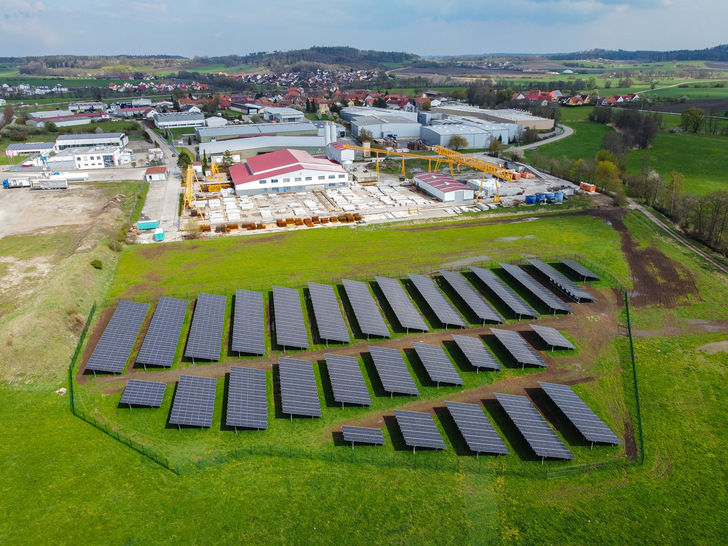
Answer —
713 348
657 279
465 262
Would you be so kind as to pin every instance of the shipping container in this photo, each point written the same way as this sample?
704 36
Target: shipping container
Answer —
148 224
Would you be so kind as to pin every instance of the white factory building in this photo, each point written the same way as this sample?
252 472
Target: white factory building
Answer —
98 157
30 148
511 115
205 134
92 139
283 115
443 188
178 119
336 151
381 122
286 171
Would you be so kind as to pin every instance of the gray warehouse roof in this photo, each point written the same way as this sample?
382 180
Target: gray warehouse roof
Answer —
256 129
251 143
89 136
179 116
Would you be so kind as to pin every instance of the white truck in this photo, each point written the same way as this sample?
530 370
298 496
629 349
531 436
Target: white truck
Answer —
56 184
10 183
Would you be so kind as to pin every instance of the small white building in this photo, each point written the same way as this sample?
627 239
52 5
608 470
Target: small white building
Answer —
336 151
87 106
155 174
215 122
178 119
98 157
286 171
443 188
283 115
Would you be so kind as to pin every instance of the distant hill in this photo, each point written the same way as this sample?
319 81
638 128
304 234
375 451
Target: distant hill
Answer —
717 53
320 56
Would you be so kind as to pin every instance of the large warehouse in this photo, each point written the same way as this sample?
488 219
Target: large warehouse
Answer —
91 139
178 119
381 122
521 117
477 135
205 134
286 171
283 115
443 188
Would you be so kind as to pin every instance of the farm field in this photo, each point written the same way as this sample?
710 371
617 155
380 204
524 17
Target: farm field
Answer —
585 142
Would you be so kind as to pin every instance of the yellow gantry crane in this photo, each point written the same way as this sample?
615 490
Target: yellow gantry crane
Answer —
217 180
190 177
457 158
377 151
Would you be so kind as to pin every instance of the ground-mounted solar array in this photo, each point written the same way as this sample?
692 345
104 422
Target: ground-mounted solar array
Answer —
347 381
405 311
558 279
162 337
117 341
518 348
143 393
539 291
436 300
579 270
248 323
437 364
194 402
534 428
299 395
419 429
476 428
362 435
552 337
327 313
477 354
205 339
289 323
472 298
247 403
504 293
368 316
392 371
579 414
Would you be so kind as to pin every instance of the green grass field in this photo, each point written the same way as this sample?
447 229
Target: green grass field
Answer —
585 142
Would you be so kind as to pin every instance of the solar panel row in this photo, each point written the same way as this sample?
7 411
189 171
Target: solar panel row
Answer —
567 286
247 405
472 298
249 323
143 393
347 381
299 395
538 290
194 401
405 311
521 351
437 364
327 313
117 341
289 324
362 435
365 309
443 309
552 337
160 342
503 292
392 371
477 354
580 270
475 427
419 429
205 338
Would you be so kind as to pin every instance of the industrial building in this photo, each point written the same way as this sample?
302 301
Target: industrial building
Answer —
98 157
30 148
283 115
155 174
62 118
92 139
443 188
178 119
87 106
241 148
511 115
336 151
257 129
381 122
478 135
286 171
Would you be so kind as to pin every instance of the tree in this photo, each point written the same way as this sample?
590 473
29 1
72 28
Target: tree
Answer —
51 127
495 147
457 142
607 84
426 106
379 102
227 159
674 193
365 136
606 175
692 119
8 114
183 161
529 135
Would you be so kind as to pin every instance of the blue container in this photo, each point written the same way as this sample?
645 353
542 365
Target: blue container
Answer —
558 196
530 199
148 224
540 196
159 235
550 196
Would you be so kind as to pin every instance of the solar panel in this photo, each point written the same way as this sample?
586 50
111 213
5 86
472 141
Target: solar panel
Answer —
347 381
289 324
477 354
363 435
538 290
503 292
143 393
327 313
472 298
419 429
405 311
580 270
521 351
365 309
437 364
567 286
160 343
443 309
581 416
392 371
247 403
534 428
475 427
117 341
249 323
205 339
552 337
298 388
194 401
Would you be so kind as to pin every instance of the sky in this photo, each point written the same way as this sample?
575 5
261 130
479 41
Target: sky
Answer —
424 27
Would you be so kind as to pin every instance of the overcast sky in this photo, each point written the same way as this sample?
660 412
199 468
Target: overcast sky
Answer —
424 27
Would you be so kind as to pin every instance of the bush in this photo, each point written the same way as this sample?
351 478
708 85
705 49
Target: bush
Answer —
116 246
97 264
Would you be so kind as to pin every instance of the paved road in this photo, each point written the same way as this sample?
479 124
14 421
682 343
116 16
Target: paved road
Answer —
163 197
